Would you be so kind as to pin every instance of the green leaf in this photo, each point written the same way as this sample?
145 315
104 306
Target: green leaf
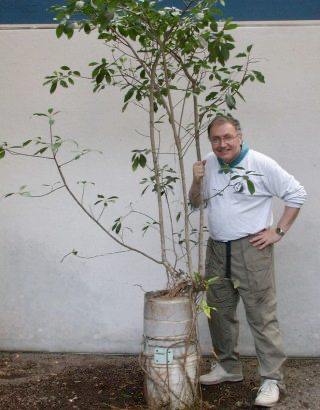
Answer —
211 96
95 71
206 308
212 280
65 68
53 87
2 153
225 168
230 101
144 190
11 193
249 48
26 193
100 77
178 216
128 95
143 74
40 114
40 151
197 277
230 26
122 31
87 28
108 77
63 83
259 76
135 164
142 161
56 146
236 283
59 31
68 31
250 186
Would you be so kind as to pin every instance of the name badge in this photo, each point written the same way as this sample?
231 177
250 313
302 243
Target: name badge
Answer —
238 187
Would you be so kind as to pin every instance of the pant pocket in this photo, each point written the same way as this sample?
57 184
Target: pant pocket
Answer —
221 293
260 267
214 265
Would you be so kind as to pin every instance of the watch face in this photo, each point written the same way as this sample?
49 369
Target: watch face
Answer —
279 231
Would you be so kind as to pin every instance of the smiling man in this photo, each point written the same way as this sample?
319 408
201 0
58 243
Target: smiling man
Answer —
240 251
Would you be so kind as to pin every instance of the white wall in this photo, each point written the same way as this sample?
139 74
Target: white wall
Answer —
94 305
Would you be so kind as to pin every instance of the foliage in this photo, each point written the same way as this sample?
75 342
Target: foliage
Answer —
167 62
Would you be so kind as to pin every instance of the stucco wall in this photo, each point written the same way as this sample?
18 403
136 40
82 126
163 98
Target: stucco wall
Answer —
95 305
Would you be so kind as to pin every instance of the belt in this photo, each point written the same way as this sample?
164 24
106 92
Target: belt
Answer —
228 252
228 259
228 256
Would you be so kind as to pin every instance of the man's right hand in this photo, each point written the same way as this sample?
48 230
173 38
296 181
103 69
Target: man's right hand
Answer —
198 171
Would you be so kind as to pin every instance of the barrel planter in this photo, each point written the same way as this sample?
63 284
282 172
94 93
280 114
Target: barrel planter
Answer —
170 353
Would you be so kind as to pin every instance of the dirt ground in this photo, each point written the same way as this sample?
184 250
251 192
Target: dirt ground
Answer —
73 381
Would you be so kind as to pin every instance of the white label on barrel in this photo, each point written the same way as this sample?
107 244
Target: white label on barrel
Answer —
162 355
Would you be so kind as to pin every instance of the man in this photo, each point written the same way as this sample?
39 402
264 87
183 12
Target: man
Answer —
240 251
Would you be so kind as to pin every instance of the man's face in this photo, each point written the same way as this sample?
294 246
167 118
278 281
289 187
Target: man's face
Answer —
225 141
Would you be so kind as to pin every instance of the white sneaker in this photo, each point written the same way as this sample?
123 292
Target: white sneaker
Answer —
268 394
219 375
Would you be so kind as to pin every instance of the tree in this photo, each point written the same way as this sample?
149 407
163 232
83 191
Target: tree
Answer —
177 66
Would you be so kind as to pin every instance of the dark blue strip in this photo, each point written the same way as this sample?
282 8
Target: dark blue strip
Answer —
36 11
228 259
243 10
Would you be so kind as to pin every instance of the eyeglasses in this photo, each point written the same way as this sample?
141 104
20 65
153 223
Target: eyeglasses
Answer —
227 139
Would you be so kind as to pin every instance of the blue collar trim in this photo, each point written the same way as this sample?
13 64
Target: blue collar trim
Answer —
244 151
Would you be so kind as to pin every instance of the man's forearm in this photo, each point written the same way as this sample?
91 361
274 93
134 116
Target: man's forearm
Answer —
270 236
288 217
195 195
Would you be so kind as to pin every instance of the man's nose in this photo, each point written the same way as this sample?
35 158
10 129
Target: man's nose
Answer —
223 143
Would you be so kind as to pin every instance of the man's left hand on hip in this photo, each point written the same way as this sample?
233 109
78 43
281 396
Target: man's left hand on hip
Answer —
264 238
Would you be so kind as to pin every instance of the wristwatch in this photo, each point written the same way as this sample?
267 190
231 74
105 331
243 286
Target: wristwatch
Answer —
279 231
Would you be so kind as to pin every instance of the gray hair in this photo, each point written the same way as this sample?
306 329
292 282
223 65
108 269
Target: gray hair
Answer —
225 119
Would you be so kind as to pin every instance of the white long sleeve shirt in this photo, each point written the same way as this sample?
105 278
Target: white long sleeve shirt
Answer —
233 215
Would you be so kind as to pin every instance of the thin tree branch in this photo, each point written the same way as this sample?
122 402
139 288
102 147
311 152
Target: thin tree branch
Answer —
91 216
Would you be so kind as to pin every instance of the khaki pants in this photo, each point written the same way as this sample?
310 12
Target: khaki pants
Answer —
253 271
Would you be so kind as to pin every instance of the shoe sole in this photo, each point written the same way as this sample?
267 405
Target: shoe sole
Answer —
266 405
224 380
